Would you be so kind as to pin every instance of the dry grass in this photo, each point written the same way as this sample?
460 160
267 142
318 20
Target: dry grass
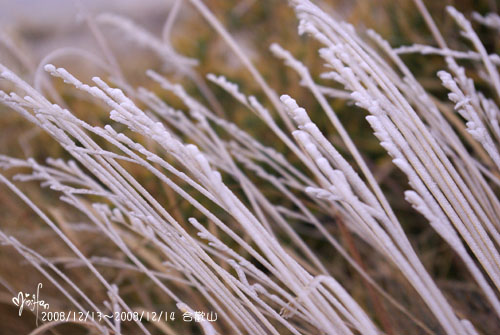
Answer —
260 25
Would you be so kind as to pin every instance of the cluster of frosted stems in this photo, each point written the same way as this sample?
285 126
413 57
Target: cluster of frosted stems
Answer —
448 184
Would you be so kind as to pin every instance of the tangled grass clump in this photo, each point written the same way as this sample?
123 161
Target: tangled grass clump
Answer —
225 199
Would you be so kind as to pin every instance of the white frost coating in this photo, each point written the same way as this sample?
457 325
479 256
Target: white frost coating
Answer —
491 19
322 194
464 106
230 87
447 179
